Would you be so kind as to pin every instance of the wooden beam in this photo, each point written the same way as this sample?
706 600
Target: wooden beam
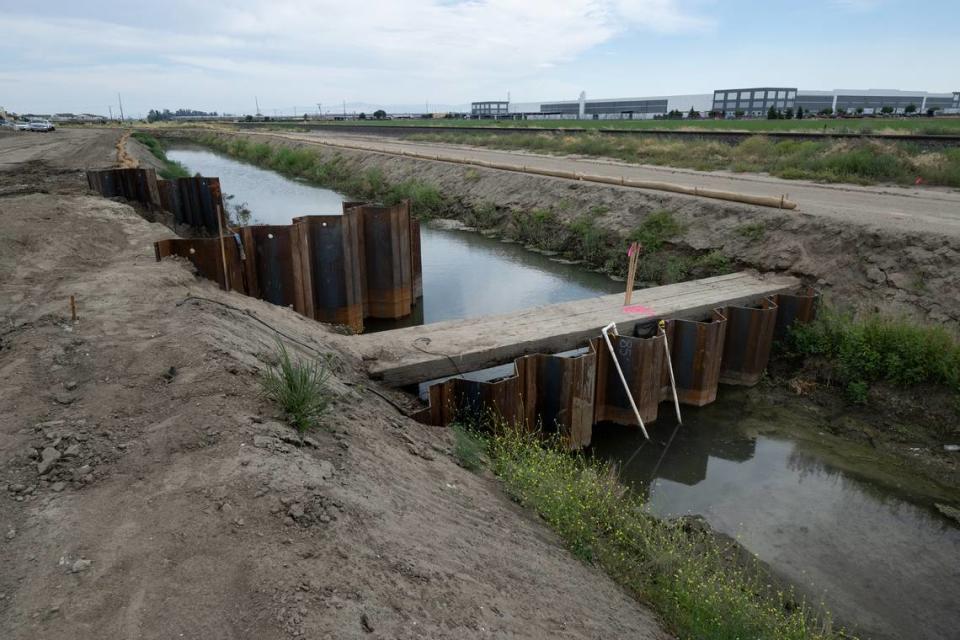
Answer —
415 354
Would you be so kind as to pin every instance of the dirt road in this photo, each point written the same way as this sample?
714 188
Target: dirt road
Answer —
147 491
934 210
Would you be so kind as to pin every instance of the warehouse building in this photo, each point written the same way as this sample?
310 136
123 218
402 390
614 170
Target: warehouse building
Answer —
489 109
750 102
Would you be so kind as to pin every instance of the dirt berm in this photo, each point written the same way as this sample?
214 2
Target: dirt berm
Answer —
911 273
146 491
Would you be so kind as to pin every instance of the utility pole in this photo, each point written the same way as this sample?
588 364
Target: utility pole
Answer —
320 109
121 107
257 102
344 107
110 106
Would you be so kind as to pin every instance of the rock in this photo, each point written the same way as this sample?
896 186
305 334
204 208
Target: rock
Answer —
70 385
16 488
58 486
256 419
951 447
875 275
72 451
900 280
51 423
296 511
263 441
365 623
11 534
80 565
64 398
290 438
310 442
170 374
48 458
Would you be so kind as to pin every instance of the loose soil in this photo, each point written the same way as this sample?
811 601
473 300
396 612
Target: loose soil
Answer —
147 491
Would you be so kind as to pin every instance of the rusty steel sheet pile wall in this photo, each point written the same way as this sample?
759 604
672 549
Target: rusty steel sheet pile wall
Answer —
572 394
330 266
195 202
388 266
746 349
696 350
192 201
207 258
139 185
642 361
268 264
325 267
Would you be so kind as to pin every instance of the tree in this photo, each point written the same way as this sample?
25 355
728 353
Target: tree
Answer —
379 114
694 114
788 114
306 116
826 111
859 111
772 113
738 113
910 108
886 109
799 113
362 116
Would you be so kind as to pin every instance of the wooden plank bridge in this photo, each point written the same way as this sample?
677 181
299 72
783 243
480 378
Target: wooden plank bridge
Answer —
426 352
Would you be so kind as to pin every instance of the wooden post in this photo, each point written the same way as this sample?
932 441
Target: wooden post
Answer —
73 308
223 249
633 252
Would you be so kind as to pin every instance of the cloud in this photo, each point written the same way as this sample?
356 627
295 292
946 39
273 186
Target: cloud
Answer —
405 49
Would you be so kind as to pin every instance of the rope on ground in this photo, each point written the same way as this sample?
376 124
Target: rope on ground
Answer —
435 353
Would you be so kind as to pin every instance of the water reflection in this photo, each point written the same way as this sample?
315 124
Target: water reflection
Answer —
885 562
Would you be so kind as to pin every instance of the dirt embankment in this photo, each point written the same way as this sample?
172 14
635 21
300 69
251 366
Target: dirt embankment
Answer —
910 273
146 490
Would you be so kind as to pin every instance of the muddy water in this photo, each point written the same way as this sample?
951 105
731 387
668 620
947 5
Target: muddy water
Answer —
824 513
465 275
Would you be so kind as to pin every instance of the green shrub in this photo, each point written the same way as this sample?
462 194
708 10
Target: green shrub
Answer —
300 388
874 349
171 168
656 229
753 231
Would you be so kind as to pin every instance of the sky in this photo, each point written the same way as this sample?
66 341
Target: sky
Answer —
68 56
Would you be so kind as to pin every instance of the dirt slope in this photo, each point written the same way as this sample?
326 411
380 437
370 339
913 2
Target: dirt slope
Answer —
146 491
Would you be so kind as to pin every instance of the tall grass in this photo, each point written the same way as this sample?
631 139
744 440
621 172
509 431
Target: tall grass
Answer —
863 162
171 168
683 572
858 353
299 387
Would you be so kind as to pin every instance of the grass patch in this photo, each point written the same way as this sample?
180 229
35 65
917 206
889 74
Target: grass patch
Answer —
858 353
299 387
171 168
855 161
683 572
753 231
468 448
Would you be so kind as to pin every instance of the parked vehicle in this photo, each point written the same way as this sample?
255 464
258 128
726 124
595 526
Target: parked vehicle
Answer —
41 125
23 126
6 124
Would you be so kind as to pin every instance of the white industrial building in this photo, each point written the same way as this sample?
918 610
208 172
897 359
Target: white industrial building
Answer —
751 102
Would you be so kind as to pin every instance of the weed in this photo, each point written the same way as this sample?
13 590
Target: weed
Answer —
682 571
873 349
752 231
171 168
656 229
468 447
300 388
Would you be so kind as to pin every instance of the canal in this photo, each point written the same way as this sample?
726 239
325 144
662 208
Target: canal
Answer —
824 514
